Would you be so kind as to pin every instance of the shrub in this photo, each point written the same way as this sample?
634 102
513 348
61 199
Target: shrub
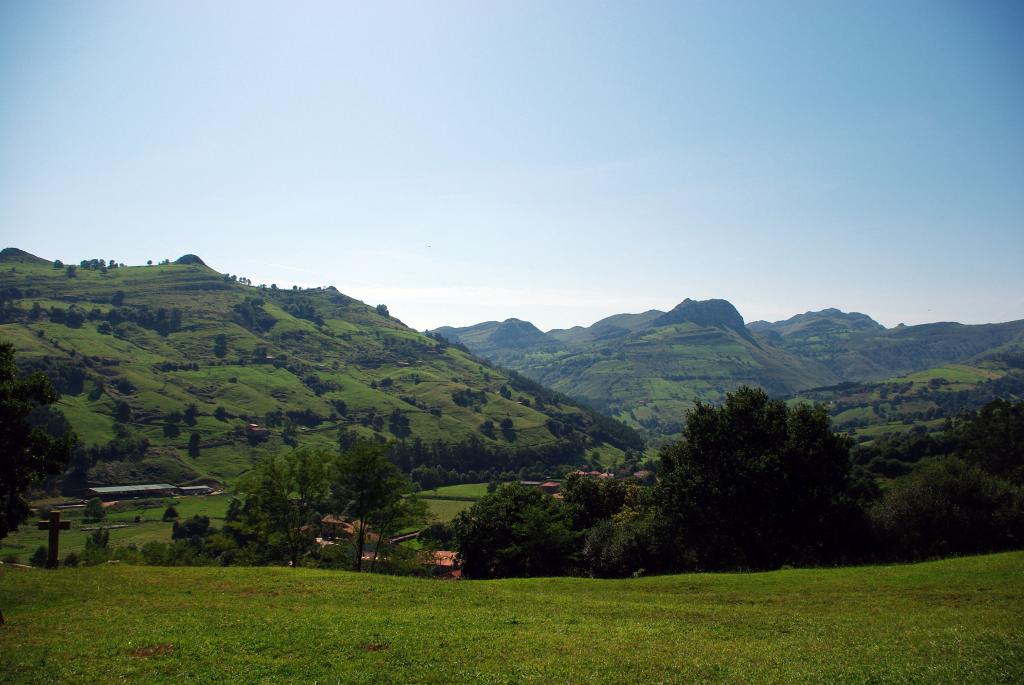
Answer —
948 507
38 557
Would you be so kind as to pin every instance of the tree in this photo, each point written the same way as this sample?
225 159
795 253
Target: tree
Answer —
193 445
282 495
191 412
408 511
170 513
508 430
194 528
29 454
220 345
993 438
367 488
591 500
123 412
517 531
755 484
94 510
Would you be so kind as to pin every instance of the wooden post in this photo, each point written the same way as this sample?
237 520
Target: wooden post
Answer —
55 526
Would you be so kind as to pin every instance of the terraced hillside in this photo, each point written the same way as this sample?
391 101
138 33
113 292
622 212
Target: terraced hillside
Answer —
157 354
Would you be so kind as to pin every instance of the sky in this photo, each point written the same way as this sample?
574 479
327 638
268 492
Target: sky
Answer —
555 162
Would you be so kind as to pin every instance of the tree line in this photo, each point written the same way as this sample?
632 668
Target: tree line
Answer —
754 485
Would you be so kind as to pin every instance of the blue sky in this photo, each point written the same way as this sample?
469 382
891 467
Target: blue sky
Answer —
557 162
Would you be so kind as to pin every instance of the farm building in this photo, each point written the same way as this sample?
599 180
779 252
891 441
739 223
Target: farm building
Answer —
111 492
333 528
195 490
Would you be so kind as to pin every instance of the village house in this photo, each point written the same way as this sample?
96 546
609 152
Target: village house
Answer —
334 528
256 431
444 564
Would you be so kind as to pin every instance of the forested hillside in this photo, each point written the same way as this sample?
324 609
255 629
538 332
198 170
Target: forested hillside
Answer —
176 372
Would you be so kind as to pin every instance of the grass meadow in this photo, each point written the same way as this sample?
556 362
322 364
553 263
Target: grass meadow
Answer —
150 528
958 620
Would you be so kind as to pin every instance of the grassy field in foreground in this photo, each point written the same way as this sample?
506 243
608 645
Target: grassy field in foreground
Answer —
958 620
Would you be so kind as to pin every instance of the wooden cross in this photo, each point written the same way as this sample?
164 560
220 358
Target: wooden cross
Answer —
55 526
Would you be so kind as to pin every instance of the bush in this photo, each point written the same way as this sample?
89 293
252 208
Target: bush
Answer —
948 507
618 549
71 560
94 510
38 557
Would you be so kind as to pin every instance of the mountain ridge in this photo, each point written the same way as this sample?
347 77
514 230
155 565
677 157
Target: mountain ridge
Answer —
642 368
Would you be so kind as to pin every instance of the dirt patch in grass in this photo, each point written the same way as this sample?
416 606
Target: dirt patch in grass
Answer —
152 650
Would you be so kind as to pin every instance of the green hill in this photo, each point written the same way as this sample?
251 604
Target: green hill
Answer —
133 348
922 400
646 369
958 620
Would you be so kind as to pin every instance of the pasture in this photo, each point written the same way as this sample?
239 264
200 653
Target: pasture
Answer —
958 620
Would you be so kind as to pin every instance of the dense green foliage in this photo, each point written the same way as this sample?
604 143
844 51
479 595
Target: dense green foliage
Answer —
990 437
949 507
516 531
29 453
757 484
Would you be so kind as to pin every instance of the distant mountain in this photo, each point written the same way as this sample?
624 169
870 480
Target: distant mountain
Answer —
703 313
646 369
499 341
612 327
826 322
857 348
133 348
